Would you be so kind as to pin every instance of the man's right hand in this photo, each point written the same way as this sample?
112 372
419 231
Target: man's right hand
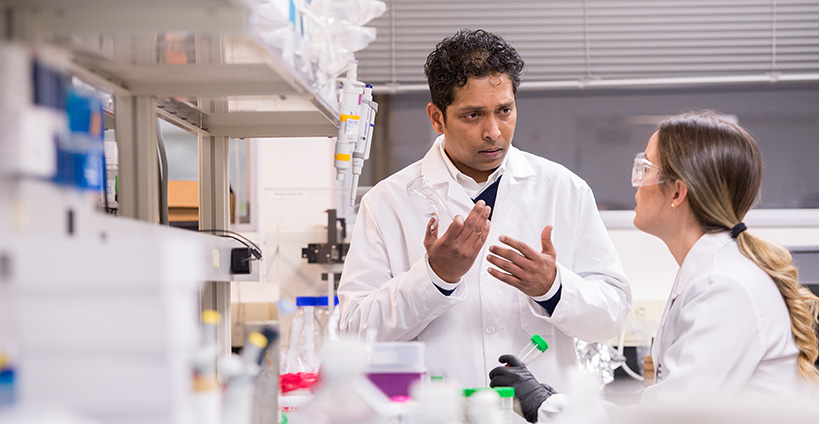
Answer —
529 392
451 255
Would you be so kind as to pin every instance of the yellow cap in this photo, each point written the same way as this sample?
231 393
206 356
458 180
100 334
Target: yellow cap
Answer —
257 339
210 316
4 361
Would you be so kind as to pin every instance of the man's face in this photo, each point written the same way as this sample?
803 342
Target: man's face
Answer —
480 124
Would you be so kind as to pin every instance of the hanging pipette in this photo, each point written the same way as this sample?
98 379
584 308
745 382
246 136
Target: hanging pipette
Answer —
365 137
349 120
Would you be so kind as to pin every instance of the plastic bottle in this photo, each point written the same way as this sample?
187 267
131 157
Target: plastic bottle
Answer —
507 402
305 338
309 343
490 408
7 392
207 395
328 322
532 350
437 403
484 407
238 397
266 385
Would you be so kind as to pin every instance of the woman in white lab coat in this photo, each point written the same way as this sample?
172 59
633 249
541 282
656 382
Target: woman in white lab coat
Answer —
737 322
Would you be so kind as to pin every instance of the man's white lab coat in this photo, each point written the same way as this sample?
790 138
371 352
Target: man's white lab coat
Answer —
385 286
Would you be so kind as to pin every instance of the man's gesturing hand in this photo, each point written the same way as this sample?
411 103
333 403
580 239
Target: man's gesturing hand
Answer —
523 267
451 255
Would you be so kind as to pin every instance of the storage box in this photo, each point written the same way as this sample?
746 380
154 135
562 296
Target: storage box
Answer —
28 137
135 324
183 201
394 366
108 387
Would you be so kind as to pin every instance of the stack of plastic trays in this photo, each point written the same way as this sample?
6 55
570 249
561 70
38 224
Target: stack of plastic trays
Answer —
107 327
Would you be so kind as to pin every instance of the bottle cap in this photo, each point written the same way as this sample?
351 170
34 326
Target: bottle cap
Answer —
305 301
211 317
257 339
539 343
505 392
322 300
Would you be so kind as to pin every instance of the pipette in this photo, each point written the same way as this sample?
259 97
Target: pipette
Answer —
365 137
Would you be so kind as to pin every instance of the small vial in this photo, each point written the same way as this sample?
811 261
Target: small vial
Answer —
507 398
532 350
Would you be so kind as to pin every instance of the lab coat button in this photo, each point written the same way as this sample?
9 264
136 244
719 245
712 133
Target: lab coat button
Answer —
490 329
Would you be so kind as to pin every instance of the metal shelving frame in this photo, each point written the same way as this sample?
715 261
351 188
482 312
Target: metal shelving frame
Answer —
114 46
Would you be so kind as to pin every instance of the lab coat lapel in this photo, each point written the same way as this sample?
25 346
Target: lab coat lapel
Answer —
702 251
517 170
435 169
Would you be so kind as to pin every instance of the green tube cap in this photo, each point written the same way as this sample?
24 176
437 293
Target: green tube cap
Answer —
539 343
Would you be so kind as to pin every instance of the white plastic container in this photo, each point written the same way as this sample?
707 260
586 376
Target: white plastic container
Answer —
492 404
394 366
15 76
27 141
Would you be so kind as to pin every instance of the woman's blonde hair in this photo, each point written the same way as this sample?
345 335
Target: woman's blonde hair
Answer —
721 165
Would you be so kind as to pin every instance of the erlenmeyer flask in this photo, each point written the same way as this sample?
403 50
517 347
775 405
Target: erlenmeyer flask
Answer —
425 199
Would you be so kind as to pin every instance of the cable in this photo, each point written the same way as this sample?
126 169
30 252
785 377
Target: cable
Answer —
163 174
254 249
626 368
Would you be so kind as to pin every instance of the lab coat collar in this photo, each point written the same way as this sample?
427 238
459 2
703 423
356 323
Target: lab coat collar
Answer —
702 251
434 167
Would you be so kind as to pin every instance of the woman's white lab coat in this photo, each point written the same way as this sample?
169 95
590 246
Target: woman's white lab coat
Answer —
385 286
725 332
725 329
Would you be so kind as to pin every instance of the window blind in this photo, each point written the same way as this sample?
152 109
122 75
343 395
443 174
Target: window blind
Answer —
585 43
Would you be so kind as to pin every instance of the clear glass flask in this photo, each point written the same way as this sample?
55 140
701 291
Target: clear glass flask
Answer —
426 200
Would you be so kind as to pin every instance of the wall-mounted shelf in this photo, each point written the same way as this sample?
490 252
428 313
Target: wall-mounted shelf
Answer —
197 50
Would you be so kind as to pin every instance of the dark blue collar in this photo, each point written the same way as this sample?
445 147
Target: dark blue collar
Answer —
488 195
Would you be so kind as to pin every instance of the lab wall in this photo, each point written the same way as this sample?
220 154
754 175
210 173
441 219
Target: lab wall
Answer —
651 269
596 133
296 185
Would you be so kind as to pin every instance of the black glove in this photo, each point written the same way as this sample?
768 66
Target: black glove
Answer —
529 392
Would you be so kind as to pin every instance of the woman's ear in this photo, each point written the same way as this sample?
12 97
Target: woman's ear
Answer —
680 194
436 117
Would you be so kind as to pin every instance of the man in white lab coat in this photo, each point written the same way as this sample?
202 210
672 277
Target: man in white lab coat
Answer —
530 257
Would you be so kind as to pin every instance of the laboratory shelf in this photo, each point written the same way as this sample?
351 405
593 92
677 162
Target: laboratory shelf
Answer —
211 67
216 68
197 51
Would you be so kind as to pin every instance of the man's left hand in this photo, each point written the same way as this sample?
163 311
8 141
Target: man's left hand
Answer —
523 267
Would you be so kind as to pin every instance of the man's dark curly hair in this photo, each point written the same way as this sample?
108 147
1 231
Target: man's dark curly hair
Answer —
469 53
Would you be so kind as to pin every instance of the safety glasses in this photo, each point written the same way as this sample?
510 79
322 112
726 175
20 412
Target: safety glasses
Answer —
644 172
